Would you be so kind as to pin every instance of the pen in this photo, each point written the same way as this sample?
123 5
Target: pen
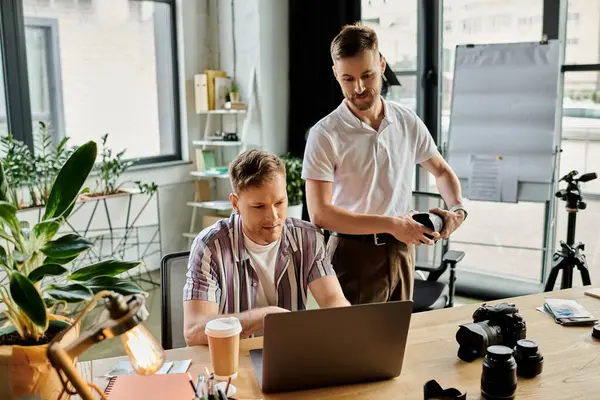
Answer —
198 383
192 385
227 387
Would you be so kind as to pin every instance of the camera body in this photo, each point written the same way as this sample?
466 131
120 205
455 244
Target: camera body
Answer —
500 324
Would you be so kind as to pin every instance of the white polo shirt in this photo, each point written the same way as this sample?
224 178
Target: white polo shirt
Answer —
372 171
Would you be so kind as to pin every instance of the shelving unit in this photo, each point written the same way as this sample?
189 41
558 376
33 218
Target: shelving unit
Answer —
206 181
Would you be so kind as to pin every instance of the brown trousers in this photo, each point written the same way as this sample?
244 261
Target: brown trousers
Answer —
370 273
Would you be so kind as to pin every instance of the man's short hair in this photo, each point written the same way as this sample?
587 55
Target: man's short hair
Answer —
352 40
253 168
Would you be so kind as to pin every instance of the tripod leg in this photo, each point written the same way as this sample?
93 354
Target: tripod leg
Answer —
567 276
551 279
559 262
583 269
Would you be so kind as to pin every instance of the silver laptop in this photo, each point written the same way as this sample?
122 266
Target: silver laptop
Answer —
331 347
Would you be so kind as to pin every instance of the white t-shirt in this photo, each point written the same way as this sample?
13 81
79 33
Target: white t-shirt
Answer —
372 171
263 258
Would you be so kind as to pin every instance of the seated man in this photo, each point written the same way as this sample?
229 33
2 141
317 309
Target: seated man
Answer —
258 261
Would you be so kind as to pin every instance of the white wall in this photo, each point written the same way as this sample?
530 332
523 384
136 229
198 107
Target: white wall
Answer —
260 30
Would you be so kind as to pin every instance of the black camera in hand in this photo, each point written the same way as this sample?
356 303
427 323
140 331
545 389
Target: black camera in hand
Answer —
492 325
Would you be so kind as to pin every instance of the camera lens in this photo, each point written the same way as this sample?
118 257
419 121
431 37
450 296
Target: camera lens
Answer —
499 375
475 338
596 331
528 358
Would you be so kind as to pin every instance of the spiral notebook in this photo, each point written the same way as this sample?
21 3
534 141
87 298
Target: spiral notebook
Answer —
153 387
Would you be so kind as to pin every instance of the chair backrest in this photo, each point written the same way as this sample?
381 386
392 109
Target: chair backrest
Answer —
173 269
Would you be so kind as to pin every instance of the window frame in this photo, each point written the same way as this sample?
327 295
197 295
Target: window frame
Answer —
18 102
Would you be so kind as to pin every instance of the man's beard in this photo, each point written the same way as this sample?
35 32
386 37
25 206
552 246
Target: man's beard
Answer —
365 100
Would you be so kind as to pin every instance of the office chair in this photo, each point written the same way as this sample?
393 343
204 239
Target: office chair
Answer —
430 294
173 269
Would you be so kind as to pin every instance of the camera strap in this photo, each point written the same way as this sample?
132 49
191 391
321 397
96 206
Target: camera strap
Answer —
433 391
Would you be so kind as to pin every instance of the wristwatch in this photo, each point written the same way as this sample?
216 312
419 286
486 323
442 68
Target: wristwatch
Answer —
460 207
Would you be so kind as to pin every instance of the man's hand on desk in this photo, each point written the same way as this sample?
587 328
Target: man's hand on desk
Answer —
452 220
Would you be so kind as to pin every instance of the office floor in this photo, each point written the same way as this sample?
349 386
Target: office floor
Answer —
112 347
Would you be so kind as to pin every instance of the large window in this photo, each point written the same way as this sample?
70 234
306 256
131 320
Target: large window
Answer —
581 124
500 238
396 25
97 67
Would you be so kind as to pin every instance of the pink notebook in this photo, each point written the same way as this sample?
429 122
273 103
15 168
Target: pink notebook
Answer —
153 387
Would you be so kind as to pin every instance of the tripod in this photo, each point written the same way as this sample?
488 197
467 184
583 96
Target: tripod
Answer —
570 255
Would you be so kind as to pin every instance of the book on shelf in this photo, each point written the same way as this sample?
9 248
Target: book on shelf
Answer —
201 93
211 74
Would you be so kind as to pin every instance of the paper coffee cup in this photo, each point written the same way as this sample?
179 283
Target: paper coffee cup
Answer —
224 345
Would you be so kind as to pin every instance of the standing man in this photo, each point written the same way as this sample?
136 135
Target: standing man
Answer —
358 166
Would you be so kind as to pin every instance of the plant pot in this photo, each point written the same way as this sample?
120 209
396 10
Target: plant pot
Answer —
234 97
295 211
26 370
121 192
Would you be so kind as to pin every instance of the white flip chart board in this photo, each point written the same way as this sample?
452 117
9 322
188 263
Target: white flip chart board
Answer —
503 133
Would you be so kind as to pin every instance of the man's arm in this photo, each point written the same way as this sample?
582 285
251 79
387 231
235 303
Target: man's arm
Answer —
328 216
446 180
197 313
328 292
449 187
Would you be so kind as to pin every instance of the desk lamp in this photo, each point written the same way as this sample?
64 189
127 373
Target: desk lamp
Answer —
122 317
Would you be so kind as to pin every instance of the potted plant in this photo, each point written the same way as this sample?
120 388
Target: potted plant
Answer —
110 168
34 173
39 284
234 93
293 176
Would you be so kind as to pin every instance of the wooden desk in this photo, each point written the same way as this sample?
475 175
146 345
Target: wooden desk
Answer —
571 358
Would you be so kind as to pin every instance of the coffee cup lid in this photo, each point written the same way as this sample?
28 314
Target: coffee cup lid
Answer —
223 327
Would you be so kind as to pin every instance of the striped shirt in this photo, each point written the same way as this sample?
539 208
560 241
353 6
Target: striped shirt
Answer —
220 269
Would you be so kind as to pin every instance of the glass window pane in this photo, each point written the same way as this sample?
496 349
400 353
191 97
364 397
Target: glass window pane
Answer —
406 93
583 32
499 238
396 25
580 148
99 67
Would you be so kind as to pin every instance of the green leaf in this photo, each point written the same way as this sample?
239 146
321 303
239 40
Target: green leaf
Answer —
6 236
73 293
118 285
61 261
66 246
46 270
8 213
106 268
46 230
3 185
3 256
70 180
29 300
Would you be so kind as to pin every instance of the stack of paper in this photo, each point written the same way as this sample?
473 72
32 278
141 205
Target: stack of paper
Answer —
568 312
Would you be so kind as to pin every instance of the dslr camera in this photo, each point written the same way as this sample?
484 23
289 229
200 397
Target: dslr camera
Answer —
492 325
